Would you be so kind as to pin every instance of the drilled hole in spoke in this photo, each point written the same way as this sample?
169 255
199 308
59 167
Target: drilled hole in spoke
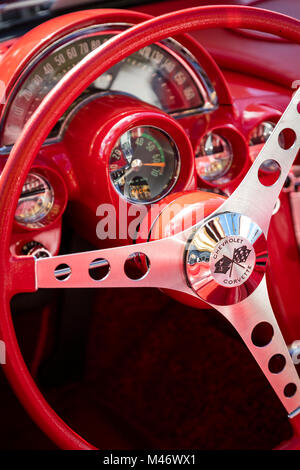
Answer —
290 390
269 172
99 269
276 363
262 334
286 138
62 272
137 266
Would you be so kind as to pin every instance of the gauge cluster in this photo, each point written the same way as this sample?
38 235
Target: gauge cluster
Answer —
143 161
223 154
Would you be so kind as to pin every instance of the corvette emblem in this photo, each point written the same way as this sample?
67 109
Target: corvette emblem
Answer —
226 258
240 255
232 261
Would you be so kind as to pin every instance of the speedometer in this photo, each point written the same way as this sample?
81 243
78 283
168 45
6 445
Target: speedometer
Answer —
155 74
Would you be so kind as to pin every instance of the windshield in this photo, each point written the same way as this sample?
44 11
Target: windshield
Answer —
18 16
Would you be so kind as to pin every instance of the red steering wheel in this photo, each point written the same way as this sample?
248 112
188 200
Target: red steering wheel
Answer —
27 274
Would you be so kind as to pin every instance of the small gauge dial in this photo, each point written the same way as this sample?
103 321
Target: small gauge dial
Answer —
144 164
35 202
213 157
259 137
257 140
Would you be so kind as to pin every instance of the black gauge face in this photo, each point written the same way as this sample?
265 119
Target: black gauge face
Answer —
153 74
144 164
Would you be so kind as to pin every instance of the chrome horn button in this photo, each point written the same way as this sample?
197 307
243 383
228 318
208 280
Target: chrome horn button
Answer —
226 258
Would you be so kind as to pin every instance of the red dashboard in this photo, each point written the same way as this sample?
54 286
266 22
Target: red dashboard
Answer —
172 120
226 116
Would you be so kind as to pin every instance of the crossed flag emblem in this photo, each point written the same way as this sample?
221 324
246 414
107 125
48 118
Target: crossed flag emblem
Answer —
240 255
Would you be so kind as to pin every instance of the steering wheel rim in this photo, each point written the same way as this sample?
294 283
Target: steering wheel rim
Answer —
36 131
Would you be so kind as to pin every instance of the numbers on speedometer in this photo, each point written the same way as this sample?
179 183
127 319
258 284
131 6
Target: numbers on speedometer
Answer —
153 74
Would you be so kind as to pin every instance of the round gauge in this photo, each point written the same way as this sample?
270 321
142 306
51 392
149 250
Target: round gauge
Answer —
257 140
144 164
259 137
154 74
213 157
35 202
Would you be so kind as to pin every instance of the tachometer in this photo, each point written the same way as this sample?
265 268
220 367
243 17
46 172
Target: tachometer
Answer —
144 164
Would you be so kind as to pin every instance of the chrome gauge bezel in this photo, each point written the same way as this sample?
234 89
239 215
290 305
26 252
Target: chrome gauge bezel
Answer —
239 159
214 178
170 186
40 215
60 198
272 121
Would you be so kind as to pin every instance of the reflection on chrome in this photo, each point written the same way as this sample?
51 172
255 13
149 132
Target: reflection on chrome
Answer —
226 258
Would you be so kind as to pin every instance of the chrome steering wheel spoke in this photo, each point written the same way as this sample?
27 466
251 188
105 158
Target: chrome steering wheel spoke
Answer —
254 320
253 198
222 260
231 253
162 267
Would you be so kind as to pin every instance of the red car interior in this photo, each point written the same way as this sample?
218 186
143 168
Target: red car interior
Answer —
152 113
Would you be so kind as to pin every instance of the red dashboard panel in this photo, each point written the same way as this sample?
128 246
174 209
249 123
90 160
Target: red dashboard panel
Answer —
262 58
23 50
78 165
243 103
